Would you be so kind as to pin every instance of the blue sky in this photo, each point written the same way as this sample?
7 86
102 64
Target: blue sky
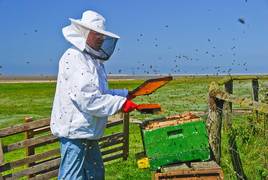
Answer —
177 37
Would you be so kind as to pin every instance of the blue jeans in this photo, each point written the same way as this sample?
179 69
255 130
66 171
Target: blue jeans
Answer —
80 160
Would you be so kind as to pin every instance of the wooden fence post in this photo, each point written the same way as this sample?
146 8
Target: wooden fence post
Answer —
28 135
232 146
1 153
1 157
126 136
214 124
266 130
255 93
229 89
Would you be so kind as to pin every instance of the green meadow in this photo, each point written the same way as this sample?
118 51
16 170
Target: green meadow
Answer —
19 100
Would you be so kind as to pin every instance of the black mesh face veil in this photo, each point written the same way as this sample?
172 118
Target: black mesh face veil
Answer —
106 49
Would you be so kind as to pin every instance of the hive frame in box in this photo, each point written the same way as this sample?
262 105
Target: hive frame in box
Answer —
149 108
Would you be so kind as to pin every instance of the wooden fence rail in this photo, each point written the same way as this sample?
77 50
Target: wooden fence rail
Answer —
220 108
45 164
241 78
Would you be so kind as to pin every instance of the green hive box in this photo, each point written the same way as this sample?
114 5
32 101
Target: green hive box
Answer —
187 141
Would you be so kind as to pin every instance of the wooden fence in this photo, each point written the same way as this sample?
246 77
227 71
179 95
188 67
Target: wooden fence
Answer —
45 164
220 109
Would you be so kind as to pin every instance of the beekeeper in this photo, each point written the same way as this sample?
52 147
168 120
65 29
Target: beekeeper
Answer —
82 100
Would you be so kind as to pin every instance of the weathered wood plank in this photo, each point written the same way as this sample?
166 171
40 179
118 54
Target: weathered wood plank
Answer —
28 135
255 89
255 93
114 123
112 136
190 166
126 136
47 170
229 89
47 175
214 125
110 158
111 143
29 159
105 159
30 142
110 151
191 174
34 169
216 92
235 157
45 143
262 107
50 159
265 125
41 130
23 127
250 77
205 164
237 78
1 153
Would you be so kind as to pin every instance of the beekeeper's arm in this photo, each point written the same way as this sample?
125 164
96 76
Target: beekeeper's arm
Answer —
118 92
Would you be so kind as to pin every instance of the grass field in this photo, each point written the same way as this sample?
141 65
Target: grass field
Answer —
19 100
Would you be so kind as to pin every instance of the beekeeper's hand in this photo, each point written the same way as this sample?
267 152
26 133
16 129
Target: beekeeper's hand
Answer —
129 106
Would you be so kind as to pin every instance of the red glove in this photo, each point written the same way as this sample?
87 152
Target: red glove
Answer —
129 106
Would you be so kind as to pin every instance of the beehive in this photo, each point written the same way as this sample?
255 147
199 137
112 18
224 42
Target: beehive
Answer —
179 138
198 170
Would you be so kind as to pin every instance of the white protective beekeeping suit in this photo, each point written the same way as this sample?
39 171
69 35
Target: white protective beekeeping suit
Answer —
82 100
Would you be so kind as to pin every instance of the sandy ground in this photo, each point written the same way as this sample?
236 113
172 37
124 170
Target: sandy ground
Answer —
52 79
27 81
45 81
